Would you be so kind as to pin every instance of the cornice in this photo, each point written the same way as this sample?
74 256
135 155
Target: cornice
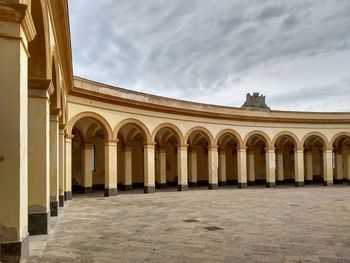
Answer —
147 102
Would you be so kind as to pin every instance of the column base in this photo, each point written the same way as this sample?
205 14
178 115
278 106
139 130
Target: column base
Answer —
213 186
338 181
299 184
61 201
127 187
110 192
86 190
222 183
149 189
251 183
162 186
270 184
327 183
38 223
14 252
53 208
182 187
192 184
68 195
242 185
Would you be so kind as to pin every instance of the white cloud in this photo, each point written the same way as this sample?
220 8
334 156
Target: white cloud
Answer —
216 51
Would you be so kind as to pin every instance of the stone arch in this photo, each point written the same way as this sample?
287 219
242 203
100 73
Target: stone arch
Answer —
337 136
98 118
203 131
140 124
323 138
173 128
290 135
233 133
258 133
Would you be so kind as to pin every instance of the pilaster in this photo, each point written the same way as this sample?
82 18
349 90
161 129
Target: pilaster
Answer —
309 166
111 167
192 167
328 166
128 167
299 167
149 168
242 167
68 168
162 167
213 167
222 166
182 167
251 167
87 166
270 167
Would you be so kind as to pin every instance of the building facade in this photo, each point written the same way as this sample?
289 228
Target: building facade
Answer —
62 133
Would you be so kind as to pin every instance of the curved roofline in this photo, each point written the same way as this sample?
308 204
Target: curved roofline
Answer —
121 96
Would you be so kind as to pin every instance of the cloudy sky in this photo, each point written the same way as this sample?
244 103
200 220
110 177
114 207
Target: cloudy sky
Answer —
296 52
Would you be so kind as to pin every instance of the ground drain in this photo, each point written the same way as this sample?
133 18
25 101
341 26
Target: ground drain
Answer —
190 220
213 228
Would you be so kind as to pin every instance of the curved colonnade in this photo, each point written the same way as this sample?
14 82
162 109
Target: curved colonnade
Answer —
124 147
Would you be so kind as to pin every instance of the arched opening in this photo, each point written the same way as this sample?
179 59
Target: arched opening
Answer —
228 144
198 163
341 146
285 159
256 159
167 171
314 146
88 155
132 139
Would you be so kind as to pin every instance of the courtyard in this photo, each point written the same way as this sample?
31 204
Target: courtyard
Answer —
257 224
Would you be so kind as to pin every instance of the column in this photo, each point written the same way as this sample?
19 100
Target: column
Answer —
242 167
68 168
299 166
39 156
222 166
346 151
327 167
162 167
149 168
14 242
270 167
280 168
54 161
193 167
61 166
111 167
182 167
87 166
213 167
339 167
251 167
309 167
128 167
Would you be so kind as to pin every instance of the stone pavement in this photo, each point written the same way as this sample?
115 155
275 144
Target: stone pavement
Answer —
283 224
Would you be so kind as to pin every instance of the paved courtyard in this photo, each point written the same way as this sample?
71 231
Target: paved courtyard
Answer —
283 224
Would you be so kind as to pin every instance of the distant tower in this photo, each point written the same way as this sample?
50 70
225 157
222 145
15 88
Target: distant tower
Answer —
255 102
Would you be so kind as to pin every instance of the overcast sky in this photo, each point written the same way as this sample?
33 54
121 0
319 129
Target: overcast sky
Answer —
296 52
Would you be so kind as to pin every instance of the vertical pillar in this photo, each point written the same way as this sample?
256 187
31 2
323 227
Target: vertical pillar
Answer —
270 167
327 167
128 167
162 167
299 166
68 168
242 167
346 151
149 168
280 168
39 156
182 167
14 242
222 167
111 167
309 167
251 167
339 167
87 166
61 166
213 167
193 167
54 162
